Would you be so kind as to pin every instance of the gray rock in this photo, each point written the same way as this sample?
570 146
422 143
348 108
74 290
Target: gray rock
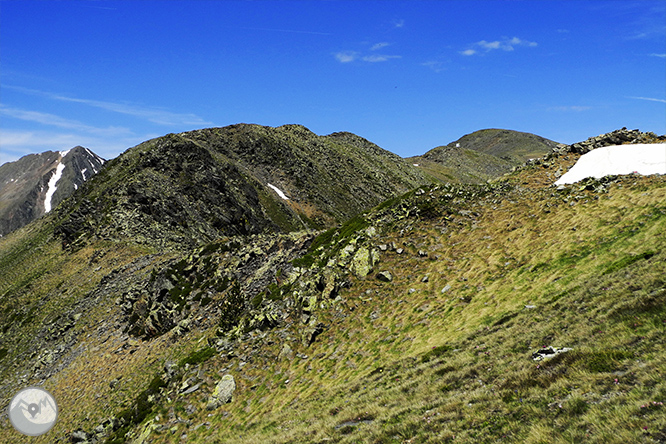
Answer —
170 369
548 352
286 352
223 392
385 276
311 332
79 436
399 250
446 288
192 389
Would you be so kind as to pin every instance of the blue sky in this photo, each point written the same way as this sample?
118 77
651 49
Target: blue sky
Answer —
407 75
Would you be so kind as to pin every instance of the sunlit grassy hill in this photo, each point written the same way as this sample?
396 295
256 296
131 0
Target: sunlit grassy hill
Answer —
417 321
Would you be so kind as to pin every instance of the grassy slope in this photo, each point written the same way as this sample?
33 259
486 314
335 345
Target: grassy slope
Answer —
431 366
422 365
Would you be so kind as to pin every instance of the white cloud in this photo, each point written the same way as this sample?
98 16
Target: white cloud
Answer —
350 56
379 58
505 45
651 99
346 56
489 45
155 115
379 45
399 23
658 55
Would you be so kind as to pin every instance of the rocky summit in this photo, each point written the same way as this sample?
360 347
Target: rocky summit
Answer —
213 287
191 188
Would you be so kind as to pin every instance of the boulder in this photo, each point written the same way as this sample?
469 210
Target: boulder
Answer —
222 393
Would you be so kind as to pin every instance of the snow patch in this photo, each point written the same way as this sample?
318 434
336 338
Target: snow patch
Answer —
642 158
457 145
64 153
83 173
52 186
277 190
415 164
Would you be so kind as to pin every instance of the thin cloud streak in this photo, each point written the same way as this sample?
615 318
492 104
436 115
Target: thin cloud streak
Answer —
574 108
61 122
154 115
651 99
379 45
293 31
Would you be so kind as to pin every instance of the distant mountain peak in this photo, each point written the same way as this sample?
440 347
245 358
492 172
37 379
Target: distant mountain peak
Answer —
483 155
37 183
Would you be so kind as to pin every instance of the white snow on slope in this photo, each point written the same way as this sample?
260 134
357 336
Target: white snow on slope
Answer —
52 186
277 190
644 159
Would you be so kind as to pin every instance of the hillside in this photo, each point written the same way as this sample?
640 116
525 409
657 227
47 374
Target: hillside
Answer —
35 183
424 320
191 188
483 155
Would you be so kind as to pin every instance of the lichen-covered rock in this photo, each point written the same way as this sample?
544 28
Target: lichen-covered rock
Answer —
223 392
361 263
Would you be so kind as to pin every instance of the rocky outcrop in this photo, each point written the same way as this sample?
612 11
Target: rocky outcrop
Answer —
617 137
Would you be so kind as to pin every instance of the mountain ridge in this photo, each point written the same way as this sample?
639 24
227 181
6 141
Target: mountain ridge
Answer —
204 184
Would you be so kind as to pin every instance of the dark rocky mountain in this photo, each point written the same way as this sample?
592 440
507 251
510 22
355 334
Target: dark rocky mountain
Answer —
194 187
36 183
483 155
